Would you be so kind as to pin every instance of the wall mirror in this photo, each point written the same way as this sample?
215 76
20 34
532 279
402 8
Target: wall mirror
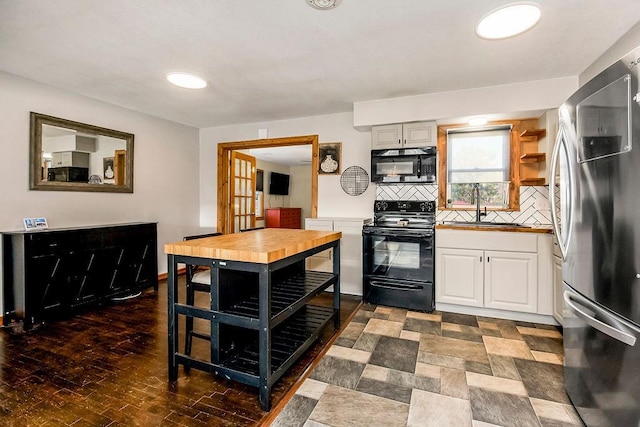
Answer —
70 156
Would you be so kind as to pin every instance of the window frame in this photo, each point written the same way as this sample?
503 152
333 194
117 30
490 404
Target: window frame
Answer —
514 169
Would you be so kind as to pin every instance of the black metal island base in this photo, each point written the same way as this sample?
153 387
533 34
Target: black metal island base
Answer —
260 318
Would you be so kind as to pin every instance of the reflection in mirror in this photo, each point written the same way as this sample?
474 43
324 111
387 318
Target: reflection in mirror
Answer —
72 156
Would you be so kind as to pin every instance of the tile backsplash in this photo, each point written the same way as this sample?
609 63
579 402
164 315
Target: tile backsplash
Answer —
530 199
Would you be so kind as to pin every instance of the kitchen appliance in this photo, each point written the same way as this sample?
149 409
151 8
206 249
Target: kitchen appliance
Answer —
417 165
68 174
398 255
598 146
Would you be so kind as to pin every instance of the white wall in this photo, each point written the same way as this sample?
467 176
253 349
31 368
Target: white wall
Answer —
301 190
275 200
332 200
510 98
165 166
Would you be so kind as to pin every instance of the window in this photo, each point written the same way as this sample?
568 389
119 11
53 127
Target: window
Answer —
472 156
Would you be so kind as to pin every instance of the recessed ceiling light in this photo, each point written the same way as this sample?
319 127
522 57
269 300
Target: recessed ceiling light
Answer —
508 21
324 4
185 80
478 121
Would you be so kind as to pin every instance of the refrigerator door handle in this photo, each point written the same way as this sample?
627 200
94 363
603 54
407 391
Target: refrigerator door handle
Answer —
607 329
562 244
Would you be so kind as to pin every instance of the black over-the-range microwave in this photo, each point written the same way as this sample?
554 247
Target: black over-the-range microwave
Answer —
417 165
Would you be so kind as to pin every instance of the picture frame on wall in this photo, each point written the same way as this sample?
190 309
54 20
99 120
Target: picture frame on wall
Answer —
35 223
329 158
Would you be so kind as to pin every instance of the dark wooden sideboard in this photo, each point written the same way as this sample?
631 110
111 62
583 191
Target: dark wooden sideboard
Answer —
53 273
283 218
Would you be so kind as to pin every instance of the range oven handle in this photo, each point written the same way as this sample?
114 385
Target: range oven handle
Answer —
420 235
402 287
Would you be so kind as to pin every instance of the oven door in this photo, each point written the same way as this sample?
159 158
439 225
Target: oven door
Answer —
398 268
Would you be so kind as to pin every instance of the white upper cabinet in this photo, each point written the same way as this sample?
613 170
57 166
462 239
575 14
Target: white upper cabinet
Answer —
404 135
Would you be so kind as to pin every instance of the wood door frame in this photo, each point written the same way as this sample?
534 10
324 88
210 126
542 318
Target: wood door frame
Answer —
120 164
233 195
224 156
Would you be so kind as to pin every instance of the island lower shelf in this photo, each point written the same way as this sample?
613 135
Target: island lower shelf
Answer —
288 341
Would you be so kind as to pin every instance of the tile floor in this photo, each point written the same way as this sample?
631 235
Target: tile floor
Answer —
393 367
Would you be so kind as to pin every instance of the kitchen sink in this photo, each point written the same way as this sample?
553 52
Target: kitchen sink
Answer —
486 224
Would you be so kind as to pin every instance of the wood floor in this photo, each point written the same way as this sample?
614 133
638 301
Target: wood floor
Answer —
108 367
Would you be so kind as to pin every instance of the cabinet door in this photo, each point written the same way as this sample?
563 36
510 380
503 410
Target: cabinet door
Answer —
557 289
47 287
323 260
419 134
588 122
459 276
511 280
386 136
94 270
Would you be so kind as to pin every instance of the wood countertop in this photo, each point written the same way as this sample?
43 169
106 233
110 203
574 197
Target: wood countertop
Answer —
258 246
544 229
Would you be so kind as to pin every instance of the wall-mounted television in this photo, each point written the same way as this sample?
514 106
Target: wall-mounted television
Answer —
279 184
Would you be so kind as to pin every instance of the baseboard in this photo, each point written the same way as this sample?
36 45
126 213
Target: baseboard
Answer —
163 276
499 314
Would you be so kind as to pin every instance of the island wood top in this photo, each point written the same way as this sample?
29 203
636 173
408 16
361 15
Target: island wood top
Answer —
258 246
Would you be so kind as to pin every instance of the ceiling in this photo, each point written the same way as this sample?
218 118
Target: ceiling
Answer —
268 60
292 155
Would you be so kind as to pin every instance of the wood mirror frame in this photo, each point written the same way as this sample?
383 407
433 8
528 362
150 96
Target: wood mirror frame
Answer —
123 158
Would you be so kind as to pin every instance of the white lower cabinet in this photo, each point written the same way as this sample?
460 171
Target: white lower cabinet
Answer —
492 270
350 251
511 281
459 276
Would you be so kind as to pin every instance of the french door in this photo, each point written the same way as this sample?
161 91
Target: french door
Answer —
243 185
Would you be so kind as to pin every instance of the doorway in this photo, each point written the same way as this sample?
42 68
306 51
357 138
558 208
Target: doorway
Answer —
225 150
242 197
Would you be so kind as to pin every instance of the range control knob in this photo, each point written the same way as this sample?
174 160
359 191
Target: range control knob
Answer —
424 206
381 206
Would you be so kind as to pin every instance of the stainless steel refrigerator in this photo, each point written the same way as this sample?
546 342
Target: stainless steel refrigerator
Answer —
598 147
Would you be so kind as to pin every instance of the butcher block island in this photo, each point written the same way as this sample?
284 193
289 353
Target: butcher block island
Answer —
261 319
